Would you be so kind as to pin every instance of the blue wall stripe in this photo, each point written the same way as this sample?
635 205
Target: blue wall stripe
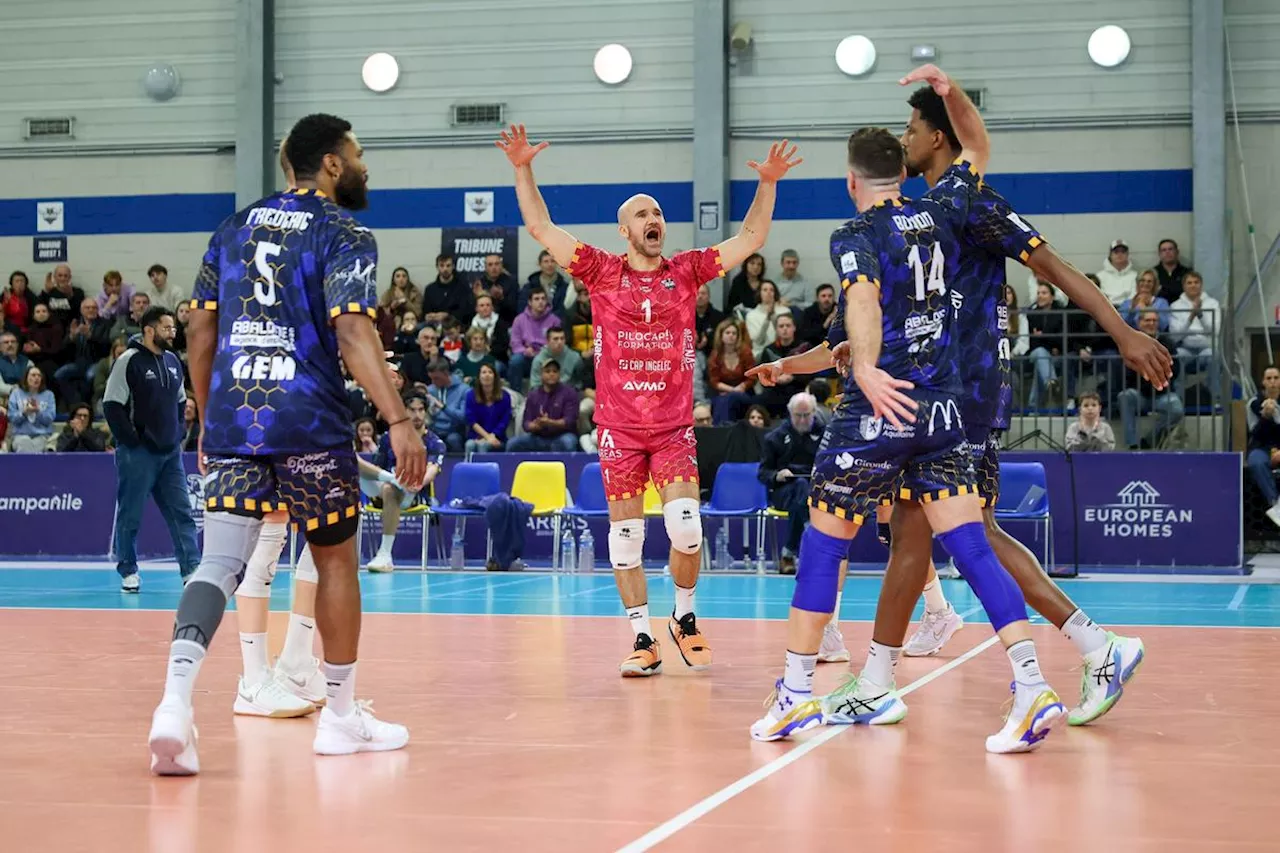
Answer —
1153 191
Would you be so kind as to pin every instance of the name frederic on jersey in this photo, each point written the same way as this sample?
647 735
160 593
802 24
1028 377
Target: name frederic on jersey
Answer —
287 220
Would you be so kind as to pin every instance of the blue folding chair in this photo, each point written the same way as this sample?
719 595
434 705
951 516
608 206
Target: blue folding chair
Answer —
738 493
469 480
590 501
1024 496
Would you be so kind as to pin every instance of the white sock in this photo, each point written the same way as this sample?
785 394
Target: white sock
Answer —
253 649
638 616
1085 634
684 602
185 657
299 641
881 662
388 539
934 600
340 687
835 614
798 676
1026 667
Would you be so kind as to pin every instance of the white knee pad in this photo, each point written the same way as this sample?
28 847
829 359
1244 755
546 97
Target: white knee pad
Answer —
684 524
626 543
305 572
261 569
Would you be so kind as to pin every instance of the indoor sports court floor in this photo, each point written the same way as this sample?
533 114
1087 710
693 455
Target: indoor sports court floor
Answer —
525 738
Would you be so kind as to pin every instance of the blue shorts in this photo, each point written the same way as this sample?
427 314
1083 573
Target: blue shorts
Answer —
983 446
863 462
318 489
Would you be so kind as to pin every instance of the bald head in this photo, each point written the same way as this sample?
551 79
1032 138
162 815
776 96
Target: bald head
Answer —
638 201
640 223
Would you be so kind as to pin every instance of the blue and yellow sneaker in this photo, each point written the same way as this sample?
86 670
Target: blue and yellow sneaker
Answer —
786 712
860 701
1106 672
1034 711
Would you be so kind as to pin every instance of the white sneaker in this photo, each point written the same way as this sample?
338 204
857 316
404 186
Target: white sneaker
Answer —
173 740
359 731
306 682
786 713
131 583
862 702
1106 672
833 649
381 562
1274 515
268 698
934 632
1035 710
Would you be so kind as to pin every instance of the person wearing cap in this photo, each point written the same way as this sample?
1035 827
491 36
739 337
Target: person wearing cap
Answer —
1118 278
793 291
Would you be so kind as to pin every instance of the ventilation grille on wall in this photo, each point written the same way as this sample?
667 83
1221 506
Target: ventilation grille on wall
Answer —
978 96
48 128
478 115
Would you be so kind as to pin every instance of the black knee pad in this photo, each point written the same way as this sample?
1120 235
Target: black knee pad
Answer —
334 534
883 533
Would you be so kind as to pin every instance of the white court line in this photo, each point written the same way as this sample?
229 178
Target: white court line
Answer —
1238 598
719 798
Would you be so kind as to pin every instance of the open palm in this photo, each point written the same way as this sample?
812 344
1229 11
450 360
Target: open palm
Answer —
515 144
777 163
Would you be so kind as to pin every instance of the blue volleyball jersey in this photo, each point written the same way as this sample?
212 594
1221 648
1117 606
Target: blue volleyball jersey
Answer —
277 273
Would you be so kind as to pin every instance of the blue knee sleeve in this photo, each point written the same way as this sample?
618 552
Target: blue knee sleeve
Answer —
1000 596
818 571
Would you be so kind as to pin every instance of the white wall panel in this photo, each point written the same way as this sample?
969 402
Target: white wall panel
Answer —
86 59
1253 27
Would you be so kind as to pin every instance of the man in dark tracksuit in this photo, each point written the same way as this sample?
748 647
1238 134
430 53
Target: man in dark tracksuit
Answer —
786 467
144 404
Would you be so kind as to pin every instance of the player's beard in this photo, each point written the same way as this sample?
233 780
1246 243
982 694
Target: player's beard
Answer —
647 248
913 171
352 191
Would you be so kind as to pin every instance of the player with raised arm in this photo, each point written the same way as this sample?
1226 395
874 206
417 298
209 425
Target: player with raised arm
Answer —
898 435
286 285
645 356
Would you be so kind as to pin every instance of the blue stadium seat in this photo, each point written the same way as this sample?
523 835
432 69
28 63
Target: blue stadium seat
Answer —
738 493
590 501
469 480
1024 496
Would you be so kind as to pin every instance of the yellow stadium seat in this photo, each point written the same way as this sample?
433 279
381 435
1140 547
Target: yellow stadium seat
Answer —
652 500
544 485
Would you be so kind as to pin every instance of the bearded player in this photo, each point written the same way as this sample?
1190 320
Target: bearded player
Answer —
645 356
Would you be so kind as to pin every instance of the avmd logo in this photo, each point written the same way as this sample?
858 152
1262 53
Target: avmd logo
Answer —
1137 512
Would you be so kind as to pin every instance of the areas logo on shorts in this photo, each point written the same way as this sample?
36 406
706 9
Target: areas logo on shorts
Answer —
606 440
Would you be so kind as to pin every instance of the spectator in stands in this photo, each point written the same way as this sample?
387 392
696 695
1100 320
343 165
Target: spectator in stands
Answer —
572 368
494 327
1118 278
1020 340
13 364
548 278
62 297
80 435
793 290
815 321
89 341
702 415
1193 326
403 295
128 325
577 319
501 286
821 391
745 288
378 481
45 341
191 425
17 303
446 404
114 300
451 342
31 412
366 436
762 320
528 336
705 319
1089 432
476 357
103 370
406 339
1140 396
1264 440
775 399
757 416
415 364
161 293
1084 339
787 467
488 409
448 295
1144 299
727 372
1171 271
1045 328
550 416
181 318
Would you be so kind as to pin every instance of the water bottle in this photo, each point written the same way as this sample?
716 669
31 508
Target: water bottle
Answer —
586 553
566 552
457 558
723 559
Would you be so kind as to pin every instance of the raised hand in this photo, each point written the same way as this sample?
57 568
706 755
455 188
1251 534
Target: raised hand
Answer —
931 74
515 144
777 163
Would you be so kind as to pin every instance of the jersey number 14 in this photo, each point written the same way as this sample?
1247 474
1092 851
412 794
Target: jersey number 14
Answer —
933 281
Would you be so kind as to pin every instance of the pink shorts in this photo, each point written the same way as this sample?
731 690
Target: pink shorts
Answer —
629 458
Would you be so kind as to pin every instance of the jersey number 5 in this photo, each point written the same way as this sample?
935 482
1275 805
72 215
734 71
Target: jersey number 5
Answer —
264 287
936 263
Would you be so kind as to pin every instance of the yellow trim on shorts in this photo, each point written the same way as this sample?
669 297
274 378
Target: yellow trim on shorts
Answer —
679 479
245 504
937 494
328 518
838 512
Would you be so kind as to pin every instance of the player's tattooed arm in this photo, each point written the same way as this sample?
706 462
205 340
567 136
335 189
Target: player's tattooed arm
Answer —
863 322
966 121
533 209
754 232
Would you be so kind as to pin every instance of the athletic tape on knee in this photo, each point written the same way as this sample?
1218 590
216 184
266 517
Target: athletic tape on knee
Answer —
818 571
229 541
261 569
306 569
883 533
977 563
626 543
684 524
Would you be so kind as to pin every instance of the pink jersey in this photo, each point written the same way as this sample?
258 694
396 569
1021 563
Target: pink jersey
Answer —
645 351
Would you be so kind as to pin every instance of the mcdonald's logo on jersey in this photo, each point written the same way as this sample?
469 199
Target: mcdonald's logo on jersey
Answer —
949 412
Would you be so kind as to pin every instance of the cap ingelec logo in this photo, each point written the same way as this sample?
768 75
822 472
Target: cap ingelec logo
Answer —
1138 512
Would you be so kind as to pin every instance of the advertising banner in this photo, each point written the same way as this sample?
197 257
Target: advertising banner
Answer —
470 246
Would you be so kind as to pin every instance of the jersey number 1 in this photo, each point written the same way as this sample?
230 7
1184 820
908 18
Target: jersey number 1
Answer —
647 307
264 287
936 263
